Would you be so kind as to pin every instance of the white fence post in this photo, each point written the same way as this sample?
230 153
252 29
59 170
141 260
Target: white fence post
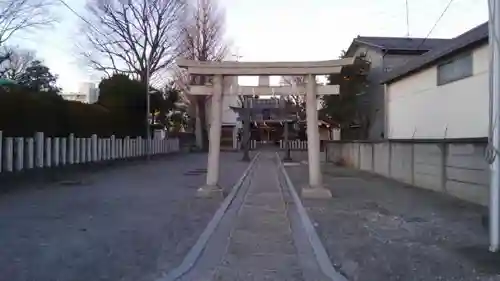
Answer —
113 147
19 153
77 150
89 150
108 148
94 147
83 150
56 152
138 144
39 149
108 144
30 153
9 154
64 151
100 150
119 148
141 150
104 149
127 147
48 152
71 149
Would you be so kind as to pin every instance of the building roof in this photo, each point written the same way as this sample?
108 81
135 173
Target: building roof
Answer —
473 37
394 44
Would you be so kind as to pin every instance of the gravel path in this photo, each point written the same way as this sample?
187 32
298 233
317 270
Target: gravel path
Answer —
378 229
126 223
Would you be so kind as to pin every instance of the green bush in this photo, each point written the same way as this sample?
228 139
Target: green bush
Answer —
22 113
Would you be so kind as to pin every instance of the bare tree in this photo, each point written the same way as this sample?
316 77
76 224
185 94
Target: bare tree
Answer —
18 15
17 62
133 37
202 40
297 100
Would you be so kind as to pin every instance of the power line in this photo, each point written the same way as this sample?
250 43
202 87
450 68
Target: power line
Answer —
436 23
79 16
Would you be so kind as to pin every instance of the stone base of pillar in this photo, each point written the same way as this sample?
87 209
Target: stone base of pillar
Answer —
316 192
210 191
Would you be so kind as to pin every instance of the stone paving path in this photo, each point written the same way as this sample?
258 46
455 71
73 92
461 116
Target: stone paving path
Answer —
261 245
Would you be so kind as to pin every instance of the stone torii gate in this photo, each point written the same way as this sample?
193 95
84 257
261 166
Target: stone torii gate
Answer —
265 69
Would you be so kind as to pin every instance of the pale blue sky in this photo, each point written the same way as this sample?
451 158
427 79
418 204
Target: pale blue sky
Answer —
277 30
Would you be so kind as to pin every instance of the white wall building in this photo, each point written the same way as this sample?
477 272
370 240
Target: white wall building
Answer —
443 93
90 90
87 93
75 97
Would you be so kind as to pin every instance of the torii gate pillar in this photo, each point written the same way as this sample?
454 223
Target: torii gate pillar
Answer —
211 188
315 188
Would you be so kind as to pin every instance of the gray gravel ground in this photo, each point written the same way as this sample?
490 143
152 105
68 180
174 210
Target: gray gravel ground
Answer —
378 229
125 223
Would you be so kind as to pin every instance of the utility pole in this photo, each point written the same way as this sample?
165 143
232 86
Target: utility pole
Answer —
494 124
148 113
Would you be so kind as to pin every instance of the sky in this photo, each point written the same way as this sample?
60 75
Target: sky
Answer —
276 30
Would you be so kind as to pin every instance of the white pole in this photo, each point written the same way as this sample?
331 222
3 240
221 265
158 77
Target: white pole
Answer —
113 147
30 153
9 154
64 150
19 154
120 148
108 144
494 32
71 150
99 149
94 148
48 152
83 150
39 149
127 147
148 110
77 150
56 152
89 149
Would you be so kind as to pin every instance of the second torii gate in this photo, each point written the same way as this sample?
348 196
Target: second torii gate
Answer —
265 69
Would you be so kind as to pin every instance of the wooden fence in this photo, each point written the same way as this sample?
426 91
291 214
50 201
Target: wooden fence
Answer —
19 153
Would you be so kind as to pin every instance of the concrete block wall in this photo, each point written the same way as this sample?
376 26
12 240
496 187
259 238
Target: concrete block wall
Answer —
381 157
302 155
455 168
401 162
366 156
428 171
467 173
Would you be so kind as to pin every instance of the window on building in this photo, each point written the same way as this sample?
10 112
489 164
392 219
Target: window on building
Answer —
455 69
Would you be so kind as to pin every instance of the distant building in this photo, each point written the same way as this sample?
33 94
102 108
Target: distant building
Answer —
90 90
384 54
442 94
87 93
75 97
